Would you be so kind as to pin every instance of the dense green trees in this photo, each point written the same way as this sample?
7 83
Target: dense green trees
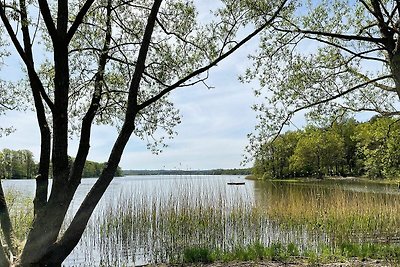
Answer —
378 147
20 164
93 169
324 58
17 164
273 159
344 148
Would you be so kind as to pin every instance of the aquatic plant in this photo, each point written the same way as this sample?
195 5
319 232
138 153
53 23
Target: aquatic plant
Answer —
340 215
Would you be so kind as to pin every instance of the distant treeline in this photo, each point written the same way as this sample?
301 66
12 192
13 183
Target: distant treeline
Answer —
20 164
345 148
189 172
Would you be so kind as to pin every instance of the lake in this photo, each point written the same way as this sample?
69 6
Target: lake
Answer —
144 219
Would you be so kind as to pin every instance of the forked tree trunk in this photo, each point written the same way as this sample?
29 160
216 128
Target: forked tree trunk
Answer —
45 229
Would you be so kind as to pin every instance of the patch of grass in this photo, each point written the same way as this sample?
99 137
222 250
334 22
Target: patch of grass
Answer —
197 255
364 251
322 254
20 208
257 252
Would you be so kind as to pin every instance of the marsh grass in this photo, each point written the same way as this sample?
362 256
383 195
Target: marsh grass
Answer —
340 215
207 223
192 223
160 227
20 208
292 253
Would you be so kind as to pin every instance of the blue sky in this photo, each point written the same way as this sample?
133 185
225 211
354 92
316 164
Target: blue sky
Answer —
213 132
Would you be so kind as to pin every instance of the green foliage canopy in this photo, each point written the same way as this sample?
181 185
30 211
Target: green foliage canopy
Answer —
346 148
327 58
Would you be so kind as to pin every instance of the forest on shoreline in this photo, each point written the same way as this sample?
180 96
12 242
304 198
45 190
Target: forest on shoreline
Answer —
245 171
345 148
20 164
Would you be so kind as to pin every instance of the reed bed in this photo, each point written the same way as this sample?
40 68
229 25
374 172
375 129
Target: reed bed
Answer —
151 227
206 222
340 215
158 226
20 208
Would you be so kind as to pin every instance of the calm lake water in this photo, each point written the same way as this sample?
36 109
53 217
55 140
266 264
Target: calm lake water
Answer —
157 197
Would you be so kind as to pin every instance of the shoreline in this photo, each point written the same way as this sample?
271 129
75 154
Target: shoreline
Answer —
353 263
329 178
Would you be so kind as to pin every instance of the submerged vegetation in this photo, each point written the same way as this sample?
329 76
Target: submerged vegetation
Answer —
345 148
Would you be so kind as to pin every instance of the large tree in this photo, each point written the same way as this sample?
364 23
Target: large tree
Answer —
111 62
326 58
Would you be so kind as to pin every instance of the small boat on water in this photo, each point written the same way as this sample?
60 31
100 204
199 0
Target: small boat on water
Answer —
236 183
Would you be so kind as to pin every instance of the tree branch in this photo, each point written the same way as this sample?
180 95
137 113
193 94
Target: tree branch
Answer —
24 56
214 63
84 142
383 27
379 85
345 37
48 20
369 9
398 7
355 54
36 87
140 63
79 19
326 100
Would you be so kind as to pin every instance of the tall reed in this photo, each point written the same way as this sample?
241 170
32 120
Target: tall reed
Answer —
342 215
158 227
20 208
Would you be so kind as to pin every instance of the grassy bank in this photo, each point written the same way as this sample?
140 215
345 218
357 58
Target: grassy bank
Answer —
392 181
292 253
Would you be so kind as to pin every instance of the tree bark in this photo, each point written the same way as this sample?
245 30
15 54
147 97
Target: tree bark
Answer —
5 221
45 229
61 89
4 261
71 237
